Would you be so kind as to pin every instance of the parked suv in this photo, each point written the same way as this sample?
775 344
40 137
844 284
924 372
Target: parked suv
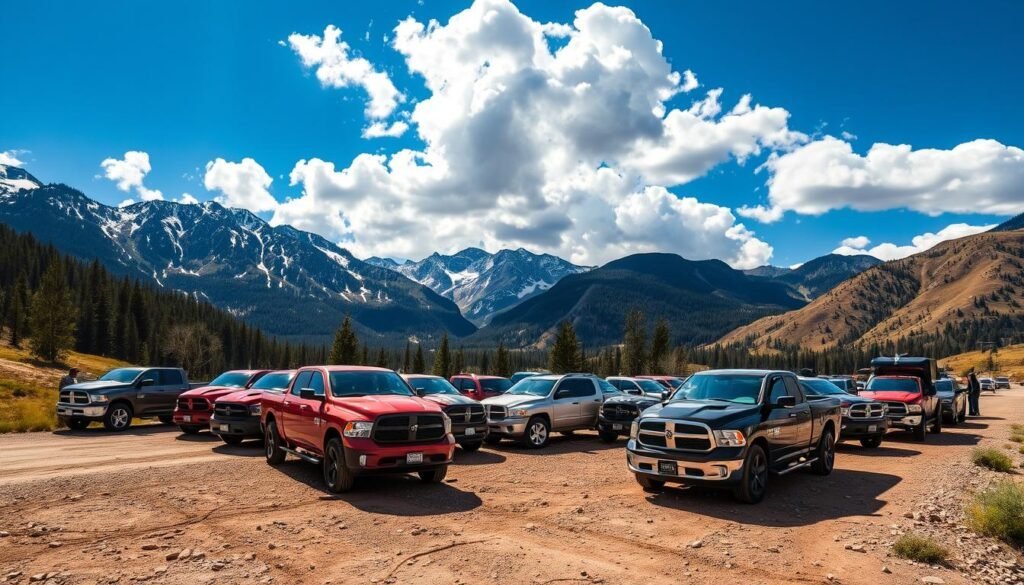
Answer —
863 418
731 428
469 424
987 384
1002 382
194 408
906 385
480 387
236 416
354 421
538 405
121 395
638 386
954 401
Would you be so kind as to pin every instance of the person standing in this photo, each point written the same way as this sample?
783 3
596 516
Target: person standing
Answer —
71 378
973 393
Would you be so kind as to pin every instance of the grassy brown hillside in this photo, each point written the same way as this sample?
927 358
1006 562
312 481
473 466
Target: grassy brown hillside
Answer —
976 278
1008 361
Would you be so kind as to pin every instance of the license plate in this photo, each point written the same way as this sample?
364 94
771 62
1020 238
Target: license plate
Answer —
411 458
225 428
872 428
186 418
63 411
470 431
668 467
616 427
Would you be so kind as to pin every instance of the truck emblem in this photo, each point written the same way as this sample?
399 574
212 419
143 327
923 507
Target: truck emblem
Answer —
467 416
668 434
414 428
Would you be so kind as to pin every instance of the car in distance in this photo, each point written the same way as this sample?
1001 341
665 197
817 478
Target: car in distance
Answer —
845 383
906 386
987 384
638 386
121 395
236 416
469 423
954 401
193 409
516 377
619 411
356 420
732 428
863 418
539 405
1002 382
669 382
480 387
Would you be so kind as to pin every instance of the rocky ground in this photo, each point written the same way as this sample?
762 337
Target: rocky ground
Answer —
151 506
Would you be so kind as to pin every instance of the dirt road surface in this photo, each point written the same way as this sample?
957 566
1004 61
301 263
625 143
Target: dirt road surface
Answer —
154 506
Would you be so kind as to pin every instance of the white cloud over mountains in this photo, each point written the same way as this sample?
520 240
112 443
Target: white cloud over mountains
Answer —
10 158
244 184
129 172
569 150
888 251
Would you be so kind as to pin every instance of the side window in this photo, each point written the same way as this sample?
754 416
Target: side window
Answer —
794 389
607 387
576 388
617 384
301 381
778 390
316 383
465 384
150 375
170 378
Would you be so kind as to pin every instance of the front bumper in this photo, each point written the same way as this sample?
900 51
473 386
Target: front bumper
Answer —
196 418
81 411
363 456
509 427
247 427
469 434
859 428
720 466
620 427
905 423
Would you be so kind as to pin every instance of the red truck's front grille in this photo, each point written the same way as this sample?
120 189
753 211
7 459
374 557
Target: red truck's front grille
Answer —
193 404
408 428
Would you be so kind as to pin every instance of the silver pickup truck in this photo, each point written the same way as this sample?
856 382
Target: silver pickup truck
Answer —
535 407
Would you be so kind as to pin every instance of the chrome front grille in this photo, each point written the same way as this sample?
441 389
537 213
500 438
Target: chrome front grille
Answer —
667 434
496 412
867 410
73 397
466 414
620 412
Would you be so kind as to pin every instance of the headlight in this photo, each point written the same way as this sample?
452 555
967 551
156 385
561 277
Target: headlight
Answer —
447 425
358 429
914 408
844 410
255 410
633 428
730 438
518 412
98 398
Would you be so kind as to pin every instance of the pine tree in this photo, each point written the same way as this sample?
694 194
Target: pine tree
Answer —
418 365
458 362
485 363
501 362
346 344
660 347
635 343
382 359
442 359
17 319
565 353
366 356
52 316
407 359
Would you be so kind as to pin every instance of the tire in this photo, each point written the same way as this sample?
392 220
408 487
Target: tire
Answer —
470 447
920 431
166 419
871 442
190 429
538 431
76 424
232 439
337 476
826 453
937 422
754 481
436 475
272 445
492 439
650 485
607 437
118 417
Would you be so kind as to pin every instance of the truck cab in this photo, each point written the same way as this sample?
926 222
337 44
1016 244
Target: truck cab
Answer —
731 429
356 421
906 385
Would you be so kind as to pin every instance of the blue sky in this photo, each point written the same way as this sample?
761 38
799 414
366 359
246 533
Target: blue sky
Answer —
195 81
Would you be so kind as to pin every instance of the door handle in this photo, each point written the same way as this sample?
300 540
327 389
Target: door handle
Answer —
792 415
304 406
576 403
285 403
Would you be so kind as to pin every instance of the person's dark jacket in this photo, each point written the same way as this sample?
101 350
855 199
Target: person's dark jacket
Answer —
974 386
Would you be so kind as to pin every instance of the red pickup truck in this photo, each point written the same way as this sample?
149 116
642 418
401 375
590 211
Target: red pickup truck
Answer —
355 421
907 386
236 416
480 387
194 407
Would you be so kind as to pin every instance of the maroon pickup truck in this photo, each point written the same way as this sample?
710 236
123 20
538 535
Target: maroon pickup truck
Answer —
355 421
193 409
236 416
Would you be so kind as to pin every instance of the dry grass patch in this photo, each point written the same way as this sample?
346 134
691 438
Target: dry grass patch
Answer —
999 512
920 549
26 407
992 458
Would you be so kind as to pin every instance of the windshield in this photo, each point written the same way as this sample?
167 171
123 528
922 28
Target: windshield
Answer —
274 381
944 386
121 375
738 388
651 387
432 385
892 385
1002 379
232 379
822 388
368 384
499 385
532 386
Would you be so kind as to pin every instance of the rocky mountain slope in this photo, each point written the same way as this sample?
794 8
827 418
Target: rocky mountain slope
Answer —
285 281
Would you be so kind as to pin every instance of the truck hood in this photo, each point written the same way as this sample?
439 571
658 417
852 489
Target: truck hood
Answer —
244 396
844 399
509 400
706 412
209 392
97 385
891 395
641 402
373 406
450 399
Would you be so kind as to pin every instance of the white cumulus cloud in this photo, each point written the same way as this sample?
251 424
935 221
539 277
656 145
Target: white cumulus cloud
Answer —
10 158
243 184
890 251
129 172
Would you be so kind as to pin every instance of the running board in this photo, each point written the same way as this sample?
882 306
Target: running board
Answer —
303 456
800 465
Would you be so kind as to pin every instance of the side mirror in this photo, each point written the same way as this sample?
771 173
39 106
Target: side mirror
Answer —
419 392
665 395
146 382
561 394
310 394
786 402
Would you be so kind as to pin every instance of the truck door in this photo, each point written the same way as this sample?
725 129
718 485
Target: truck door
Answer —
565 408
147 395
590 405
170 383
782 423
289 424
805 431
305 429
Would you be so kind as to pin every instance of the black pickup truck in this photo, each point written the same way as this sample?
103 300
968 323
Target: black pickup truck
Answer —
731 428
120 395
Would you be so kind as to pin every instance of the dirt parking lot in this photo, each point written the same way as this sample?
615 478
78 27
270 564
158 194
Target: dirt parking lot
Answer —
153 506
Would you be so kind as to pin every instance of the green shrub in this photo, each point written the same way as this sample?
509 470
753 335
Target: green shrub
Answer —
920 549
1017 433
999 512
992 458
